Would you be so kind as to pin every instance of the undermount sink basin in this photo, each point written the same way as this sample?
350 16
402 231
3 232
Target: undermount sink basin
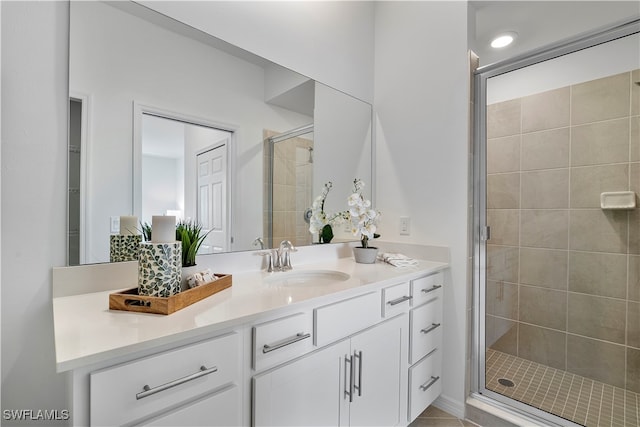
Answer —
307 278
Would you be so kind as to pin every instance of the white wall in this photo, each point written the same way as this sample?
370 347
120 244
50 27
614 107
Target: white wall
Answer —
162 185
421 100
326 41
34 138
345 143
34 134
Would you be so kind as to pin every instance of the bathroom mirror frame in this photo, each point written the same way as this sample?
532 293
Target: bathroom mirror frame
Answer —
221 45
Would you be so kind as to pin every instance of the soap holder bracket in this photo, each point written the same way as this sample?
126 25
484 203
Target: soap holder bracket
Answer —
618 200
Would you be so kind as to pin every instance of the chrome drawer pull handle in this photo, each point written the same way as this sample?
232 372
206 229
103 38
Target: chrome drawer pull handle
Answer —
435 287
430 328
148 391
298 337
358 387
426 386
348 391
399 300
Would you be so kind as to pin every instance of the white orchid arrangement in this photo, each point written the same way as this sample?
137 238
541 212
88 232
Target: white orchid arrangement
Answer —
320 222
363 216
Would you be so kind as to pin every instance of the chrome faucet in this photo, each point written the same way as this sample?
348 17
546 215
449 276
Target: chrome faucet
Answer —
286 247
279 259
259 241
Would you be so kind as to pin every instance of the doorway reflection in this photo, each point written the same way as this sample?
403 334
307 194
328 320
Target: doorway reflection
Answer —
288 190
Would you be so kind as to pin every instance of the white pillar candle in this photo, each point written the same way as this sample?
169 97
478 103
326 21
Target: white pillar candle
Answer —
129 225
163 229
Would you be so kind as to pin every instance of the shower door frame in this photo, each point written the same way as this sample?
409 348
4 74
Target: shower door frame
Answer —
481 232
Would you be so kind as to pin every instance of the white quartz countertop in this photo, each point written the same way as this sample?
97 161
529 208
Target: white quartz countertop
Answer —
87 332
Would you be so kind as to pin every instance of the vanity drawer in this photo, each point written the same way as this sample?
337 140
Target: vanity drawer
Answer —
424 288
220 409
344 318
395 299
138 389
425 384
282 339
425 329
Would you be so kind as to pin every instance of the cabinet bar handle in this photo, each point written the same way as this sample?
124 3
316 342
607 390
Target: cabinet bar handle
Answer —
399 300
352 388
297 337
426 291
348 390
428 384
148 391
430 328
358 356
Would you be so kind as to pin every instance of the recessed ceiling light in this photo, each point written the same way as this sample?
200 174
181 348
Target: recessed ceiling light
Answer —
503 40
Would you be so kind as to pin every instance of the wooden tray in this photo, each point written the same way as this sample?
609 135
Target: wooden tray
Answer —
129 300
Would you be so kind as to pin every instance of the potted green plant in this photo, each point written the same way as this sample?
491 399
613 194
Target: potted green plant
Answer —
190 234
145 228
363 224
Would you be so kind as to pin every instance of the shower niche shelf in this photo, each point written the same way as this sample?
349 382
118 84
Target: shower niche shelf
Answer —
618 200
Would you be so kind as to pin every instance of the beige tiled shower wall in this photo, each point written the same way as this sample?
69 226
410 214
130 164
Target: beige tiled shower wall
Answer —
563 278
292 189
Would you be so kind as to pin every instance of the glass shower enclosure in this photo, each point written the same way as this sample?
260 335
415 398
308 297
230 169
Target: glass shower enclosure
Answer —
557 245
288 185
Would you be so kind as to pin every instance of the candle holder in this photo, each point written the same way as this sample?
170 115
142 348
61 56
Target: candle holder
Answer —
160 269
124 247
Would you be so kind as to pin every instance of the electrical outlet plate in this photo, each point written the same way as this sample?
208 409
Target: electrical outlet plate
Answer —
115 224
405 225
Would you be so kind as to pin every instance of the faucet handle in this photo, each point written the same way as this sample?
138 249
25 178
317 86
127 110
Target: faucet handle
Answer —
269 254
286 259
286 244
286 247
275 258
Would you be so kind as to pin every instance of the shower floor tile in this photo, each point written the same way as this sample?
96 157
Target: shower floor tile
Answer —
578 399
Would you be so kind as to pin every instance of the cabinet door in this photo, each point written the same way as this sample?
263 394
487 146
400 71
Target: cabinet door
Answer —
220 409
377 355
306 392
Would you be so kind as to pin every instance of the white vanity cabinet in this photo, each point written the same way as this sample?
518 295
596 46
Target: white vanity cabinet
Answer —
366 351
353 382
197 384
425 343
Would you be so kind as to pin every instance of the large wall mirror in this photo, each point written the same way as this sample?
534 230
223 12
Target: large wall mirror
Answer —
167 120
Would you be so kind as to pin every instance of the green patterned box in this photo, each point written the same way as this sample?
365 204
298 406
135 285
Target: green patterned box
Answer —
124 247
160 269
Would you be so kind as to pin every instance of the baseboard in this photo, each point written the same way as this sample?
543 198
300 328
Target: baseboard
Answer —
450 405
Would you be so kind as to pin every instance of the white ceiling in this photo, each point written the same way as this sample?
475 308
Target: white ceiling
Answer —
539 23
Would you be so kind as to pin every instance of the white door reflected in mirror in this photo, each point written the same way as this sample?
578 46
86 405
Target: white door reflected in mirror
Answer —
172 151
212 198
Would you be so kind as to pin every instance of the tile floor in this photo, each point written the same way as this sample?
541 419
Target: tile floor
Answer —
570 396
433 416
